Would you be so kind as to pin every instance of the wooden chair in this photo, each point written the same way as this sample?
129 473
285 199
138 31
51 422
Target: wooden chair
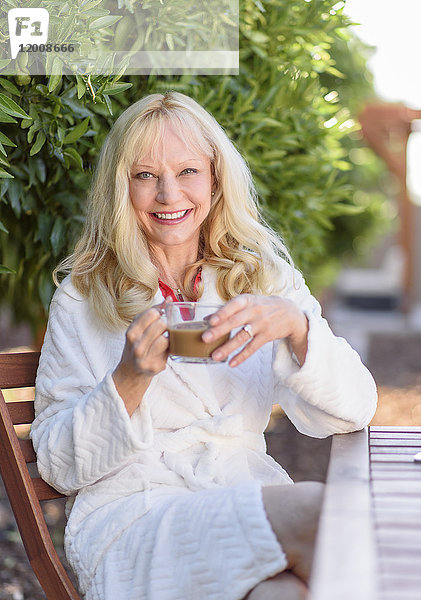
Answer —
345 556
24 492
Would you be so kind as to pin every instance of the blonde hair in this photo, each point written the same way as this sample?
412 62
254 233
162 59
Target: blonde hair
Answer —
111 264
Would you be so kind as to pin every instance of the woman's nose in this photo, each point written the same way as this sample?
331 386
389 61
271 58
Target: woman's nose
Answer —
168 190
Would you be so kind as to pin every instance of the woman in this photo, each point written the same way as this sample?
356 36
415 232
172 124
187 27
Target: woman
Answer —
172 493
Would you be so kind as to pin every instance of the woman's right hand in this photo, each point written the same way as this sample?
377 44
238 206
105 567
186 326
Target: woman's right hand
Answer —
144 355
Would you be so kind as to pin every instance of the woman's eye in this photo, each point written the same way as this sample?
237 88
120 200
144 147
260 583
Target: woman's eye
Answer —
189 170
144 175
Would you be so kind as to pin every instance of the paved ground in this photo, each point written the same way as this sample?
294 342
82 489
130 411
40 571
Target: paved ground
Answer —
389 342
359 326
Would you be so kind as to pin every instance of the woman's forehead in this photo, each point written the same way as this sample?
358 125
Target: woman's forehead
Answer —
175 143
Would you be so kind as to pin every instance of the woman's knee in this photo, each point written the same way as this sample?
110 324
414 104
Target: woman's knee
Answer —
309 500
295 505
293 512
285 586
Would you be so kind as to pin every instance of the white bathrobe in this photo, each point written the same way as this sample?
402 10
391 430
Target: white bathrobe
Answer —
166 504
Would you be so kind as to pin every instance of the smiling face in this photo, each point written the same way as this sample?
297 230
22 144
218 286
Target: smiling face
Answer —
170 190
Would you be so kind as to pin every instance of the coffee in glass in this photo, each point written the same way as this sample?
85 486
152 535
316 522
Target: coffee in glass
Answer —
187 321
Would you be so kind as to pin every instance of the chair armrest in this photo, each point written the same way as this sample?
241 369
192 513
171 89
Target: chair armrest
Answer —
345 563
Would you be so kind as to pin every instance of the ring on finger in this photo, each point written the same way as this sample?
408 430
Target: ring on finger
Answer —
248 329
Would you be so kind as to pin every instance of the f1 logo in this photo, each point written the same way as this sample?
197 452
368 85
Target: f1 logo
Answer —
27 26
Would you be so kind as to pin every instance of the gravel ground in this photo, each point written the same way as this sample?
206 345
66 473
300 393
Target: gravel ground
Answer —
394 361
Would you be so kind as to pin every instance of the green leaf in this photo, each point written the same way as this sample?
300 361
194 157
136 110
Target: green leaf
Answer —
42 89
39 142
96 12
81 87
68 200
3 228
5 118
41 169
57 237
45 288
32 131
53 82
90 5
10 107
4 186
108 103
5 175
6 141
106 21
335 72
74 156
56 74
227 20
14 192
5 270
29 203
343 165
9 86
170 41
258 37
45 222
116 88
77 132
25 123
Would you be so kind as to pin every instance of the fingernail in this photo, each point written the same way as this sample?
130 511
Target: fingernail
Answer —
217 355
214 320
207 336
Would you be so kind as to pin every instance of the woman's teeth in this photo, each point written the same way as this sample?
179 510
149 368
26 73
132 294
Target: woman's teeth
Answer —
168 216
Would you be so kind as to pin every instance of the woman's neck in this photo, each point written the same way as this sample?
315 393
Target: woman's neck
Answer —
172 265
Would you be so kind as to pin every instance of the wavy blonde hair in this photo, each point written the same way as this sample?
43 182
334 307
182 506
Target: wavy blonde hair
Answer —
111 264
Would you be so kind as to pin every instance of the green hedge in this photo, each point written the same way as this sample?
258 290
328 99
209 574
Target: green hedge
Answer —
291 112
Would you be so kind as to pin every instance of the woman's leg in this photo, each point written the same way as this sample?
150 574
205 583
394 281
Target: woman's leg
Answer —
293 512
284 586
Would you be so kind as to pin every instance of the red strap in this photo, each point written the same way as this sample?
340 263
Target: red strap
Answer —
167 291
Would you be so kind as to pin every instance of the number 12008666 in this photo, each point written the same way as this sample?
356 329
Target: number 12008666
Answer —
46 47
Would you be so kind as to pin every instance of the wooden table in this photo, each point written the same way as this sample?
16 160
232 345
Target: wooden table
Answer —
396 497
369 540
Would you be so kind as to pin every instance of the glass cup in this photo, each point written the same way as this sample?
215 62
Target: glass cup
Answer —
187 321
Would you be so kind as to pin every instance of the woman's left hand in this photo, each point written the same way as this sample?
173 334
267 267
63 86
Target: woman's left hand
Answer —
269 317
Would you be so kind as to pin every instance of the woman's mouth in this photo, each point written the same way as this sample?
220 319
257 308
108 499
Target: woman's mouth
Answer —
170 218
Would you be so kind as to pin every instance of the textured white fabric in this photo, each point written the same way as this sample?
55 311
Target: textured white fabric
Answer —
194 445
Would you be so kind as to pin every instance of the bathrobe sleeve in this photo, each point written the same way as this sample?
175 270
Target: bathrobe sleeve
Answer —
82 430
332 392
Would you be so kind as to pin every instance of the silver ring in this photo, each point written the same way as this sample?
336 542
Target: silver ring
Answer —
248 329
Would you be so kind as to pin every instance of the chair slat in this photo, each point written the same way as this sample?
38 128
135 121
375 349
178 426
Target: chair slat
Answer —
45 491
21 412
28 451
18 369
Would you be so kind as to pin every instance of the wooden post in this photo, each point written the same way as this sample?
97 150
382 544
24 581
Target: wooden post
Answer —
387 128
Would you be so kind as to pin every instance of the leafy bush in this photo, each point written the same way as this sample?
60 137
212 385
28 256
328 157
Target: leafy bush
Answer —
289 112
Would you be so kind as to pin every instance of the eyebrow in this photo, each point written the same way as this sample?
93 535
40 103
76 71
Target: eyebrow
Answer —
137 165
